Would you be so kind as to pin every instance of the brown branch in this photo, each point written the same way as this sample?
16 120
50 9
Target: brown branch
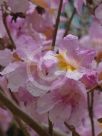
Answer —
16 111
56 132
22 127
72 129
19 122
57 24
97 86
90 102
4 17
50 124
23 116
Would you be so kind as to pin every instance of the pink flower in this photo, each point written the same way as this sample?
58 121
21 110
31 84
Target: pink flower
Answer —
90 79
16 75
41 23
65 103
85 129
71 59
24 96
79 56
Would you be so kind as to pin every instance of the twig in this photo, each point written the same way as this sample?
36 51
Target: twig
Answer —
50 129
69 23
57 24
90 101
22 127
56 132
72 129
97 86
4 16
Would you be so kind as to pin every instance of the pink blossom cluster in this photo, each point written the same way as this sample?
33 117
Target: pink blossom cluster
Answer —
50 80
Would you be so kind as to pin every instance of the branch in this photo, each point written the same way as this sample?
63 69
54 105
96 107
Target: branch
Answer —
56 132
72 129
97 86
57 24
4 16
22 126
41 130
90 100
23 116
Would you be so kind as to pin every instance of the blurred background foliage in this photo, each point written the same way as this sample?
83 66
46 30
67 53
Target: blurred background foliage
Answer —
80 22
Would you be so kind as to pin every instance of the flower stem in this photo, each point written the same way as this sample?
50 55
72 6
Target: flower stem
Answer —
56 132
4 17
57 24
90 99
72 129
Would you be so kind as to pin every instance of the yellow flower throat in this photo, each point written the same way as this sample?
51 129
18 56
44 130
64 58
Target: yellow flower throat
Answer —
63 63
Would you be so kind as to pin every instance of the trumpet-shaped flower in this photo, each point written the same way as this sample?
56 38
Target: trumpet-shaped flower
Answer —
65 102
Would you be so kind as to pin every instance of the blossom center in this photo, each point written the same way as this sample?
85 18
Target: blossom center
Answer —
63 63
